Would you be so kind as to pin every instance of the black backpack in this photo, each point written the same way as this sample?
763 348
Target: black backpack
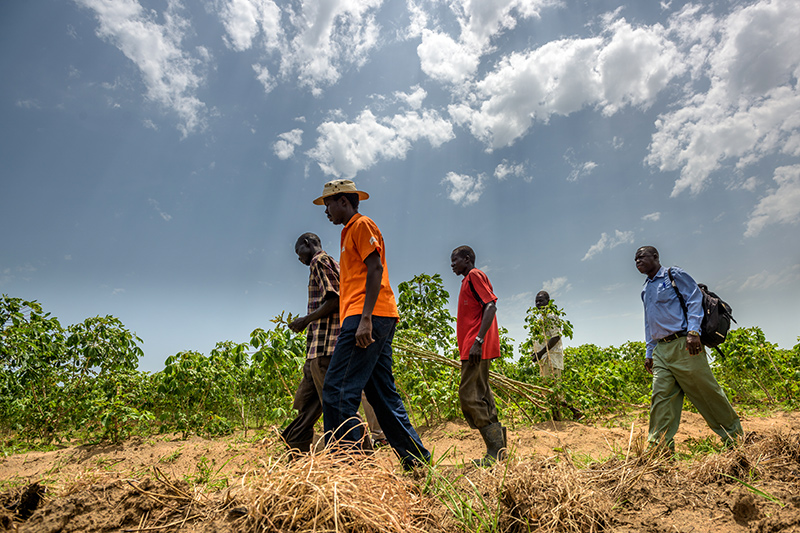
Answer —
717 316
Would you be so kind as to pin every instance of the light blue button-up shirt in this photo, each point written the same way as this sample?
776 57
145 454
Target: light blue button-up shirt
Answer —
663 314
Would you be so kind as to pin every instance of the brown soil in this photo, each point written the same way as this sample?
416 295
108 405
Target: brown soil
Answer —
197 484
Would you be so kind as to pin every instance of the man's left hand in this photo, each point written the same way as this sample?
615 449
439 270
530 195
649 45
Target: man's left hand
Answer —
475 353
693 344
364 333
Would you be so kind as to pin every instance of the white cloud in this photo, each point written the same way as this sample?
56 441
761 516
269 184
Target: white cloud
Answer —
168 71
413 99
154 204
781 205
652 217
580 170
312 41
418 19
446 60
345 148
505 169
287 142
556 286
607 243
749 184
483 19
765 279
244 20
263 76
464 189
625 66
28 104
751 108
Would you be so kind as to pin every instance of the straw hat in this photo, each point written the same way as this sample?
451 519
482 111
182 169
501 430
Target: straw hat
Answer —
337 186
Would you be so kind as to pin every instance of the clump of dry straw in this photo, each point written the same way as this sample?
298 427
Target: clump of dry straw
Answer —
331 491
551 496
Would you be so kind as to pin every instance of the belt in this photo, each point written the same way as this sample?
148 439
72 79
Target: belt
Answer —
672 337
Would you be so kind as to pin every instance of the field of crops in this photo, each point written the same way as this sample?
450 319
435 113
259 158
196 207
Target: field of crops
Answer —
100 446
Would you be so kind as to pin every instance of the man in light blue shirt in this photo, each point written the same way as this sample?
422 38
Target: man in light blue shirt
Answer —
676 357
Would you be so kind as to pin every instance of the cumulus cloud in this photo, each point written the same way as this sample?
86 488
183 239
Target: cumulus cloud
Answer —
751 108
625 66
444 59
505 169
414 98
452 60
287 142
264 77
781 205
556 286
168 72
244 20
313 41
607 242
345 148
652 217
464 189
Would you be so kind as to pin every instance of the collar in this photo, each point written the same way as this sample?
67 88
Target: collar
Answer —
660 274
353 219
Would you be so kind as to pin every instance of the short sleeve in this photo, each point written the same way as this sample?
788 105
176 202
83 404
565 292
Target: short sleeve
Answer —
483 288
367 238
326 275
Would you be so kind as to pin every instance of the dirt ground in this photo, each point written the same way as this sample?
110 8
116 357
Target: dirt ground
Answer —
123 487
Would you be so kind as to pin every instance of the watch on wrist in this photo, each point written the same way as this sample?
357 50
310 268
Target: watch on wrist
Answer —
479 340
692 333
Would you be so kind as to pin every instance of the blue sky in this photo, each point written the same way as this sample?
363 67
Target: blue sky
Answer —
159 158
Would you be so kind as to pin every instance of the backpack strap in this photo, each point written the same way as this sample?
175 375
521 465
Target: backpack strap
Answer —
680 296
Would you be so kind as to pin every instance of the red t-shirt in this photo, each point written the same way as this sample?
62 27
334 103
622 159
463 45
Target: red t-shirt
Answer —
471 301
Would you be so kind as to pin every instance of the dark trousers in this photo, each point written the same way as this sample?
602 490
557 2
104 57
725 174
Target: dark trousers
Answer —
354 369
475 395
299 434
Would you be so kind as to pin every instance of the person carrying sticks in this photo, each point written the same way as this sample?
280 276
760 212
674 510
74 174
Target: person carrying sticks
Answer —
478 344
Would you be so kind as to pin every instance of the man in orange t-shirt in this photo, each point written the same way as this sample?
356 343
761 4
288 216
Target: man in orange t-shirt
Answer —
362 359
478 343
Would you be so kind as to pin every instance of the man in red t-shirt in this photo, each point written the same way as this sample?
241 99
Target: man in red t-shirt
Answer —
478 344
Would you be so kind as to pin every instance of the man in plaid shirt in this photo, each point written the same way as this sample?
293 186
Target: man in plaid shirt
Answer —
322 322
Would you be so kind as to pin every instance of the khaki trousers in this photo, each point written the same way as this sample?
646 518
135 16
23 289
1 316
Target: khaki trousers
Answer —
676 374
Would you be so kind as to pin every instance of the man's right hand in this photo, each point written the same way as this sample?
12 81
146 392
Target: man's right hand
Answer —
298 324
648 365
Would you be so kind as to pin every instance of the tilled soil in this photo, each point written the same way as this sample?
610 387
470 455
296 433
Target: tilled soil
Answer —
169 484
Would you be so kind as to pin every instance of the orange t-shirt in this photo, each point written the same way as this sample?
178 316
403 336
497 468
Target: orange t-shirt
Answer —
361 237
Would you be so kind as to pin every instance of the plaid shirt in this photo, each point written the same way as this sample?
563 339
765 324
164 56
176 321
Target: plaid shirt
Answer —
323 282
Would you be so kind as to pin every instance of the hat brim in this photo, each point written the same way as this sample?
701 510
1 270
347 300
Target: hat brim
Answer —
321 200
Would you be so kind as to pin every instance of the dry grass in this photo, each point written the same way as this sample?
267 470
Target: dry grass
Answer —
331 492
551 496
752 458
335 492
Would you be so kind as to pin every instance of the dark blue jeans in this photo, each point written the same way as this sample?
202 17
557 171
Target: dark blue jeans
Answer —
354 369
